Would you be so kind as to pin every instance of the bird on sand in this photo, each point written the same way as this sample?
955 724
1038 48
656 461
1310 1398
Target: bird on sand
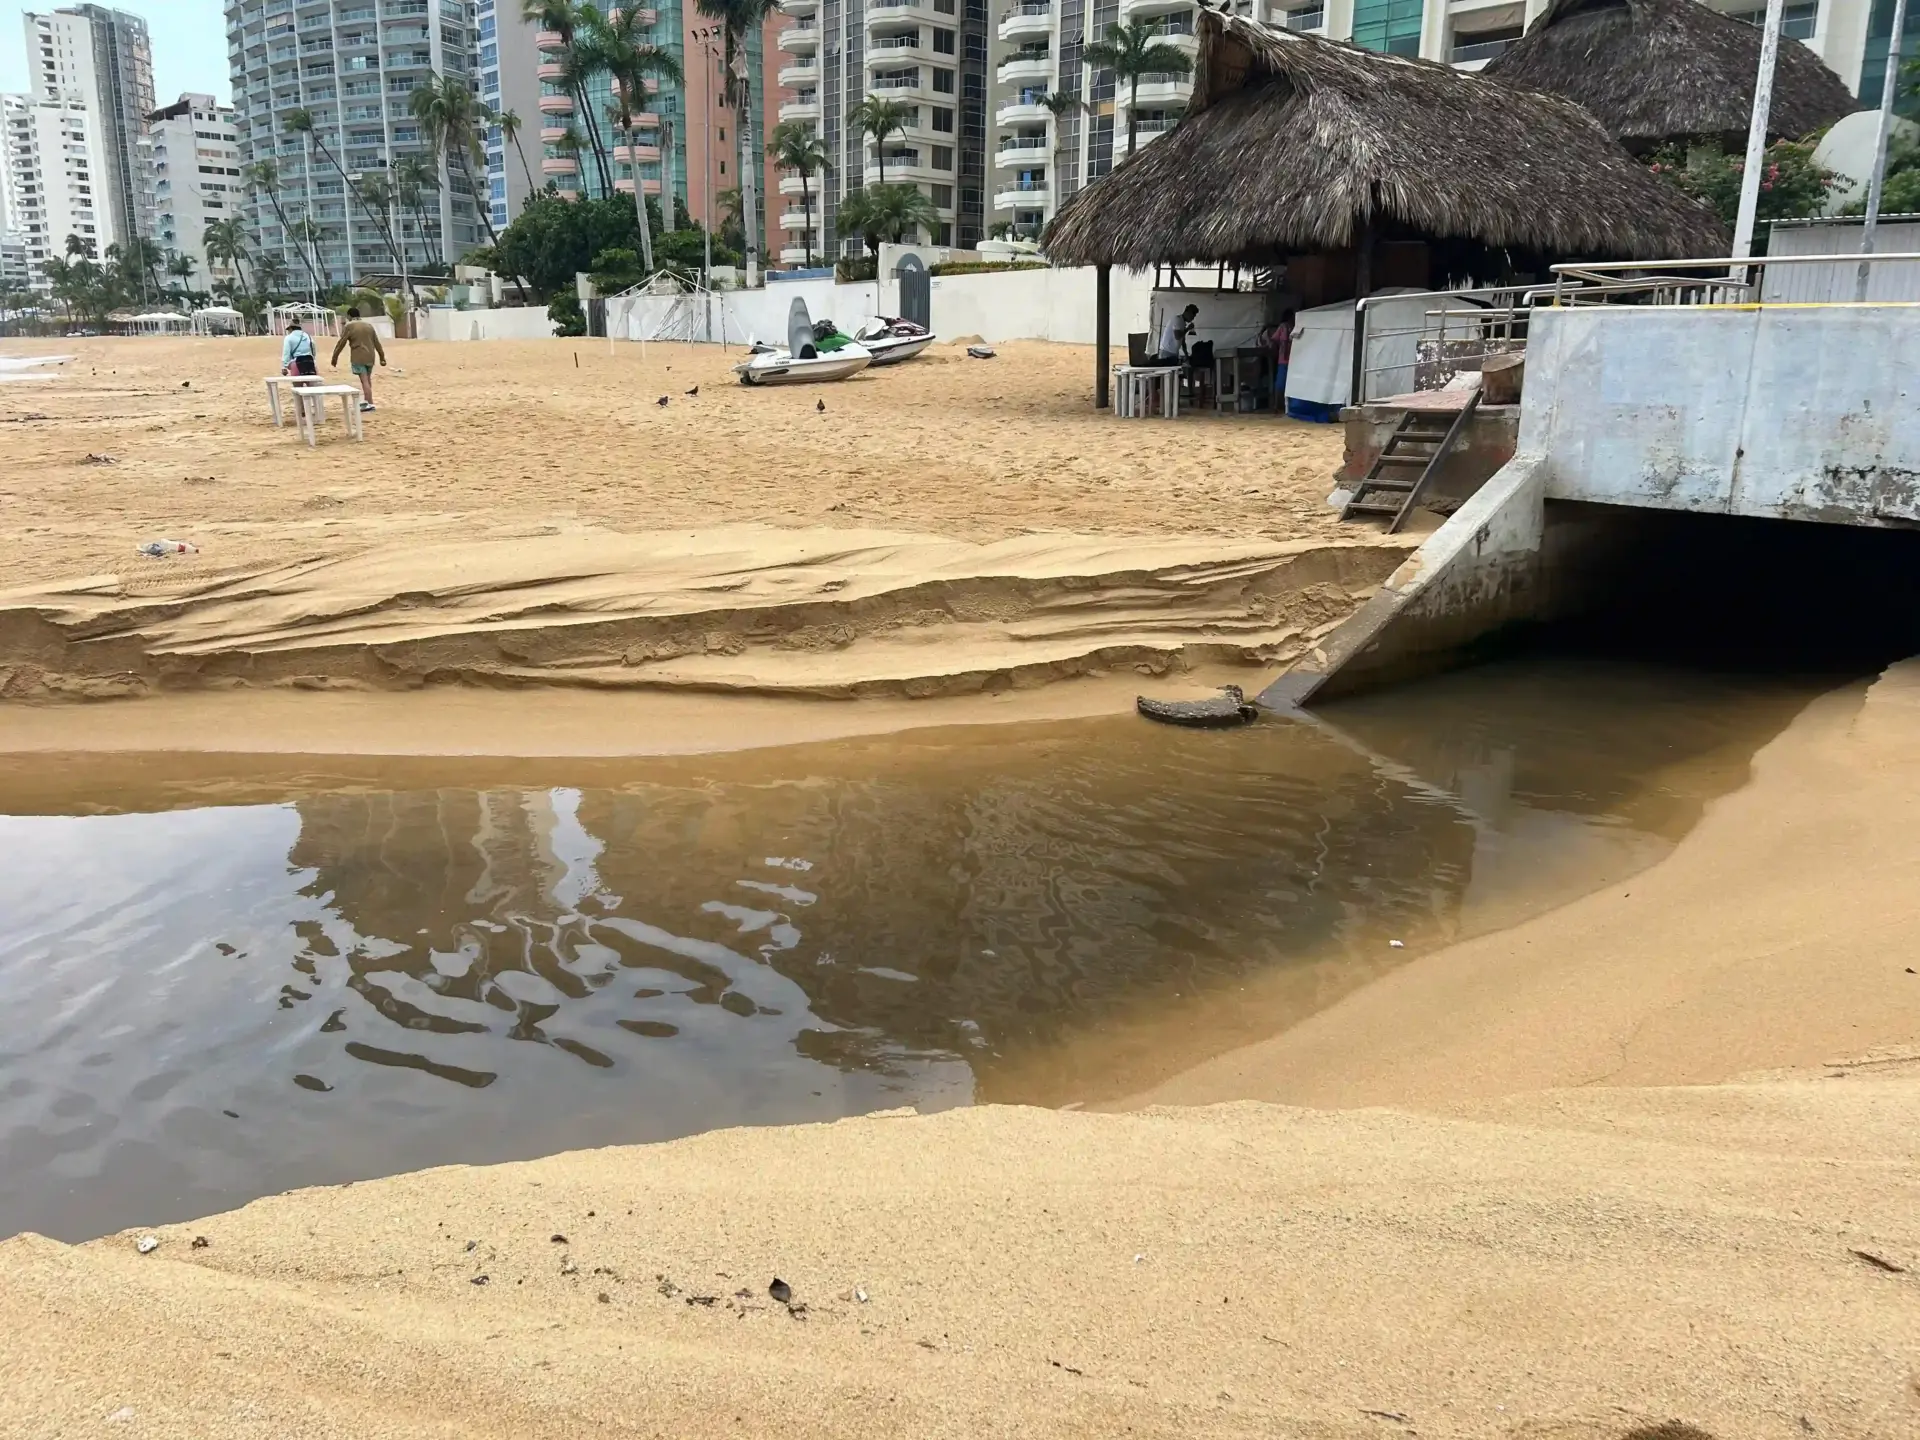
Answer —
663 400
694 391
821 406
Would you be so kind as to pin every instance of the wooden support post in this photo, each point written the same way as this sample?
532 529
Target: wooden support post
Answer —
1102 334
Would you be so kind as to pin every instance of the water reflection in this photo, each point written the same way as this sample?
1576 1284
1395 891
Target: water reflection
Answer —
207 1004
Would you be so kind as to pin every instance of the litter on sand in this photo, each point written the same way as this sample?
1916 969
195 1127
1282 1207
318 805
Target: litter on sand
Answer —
980 352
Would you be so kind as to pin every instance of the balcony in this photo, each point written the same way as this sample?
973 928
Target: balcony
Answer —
556 105
1021 151
1156 89
560 165
1152 129
648 154
1029 17
552 134
801 107
801 39
625 186
800 75
799 7
550 71
1467 51
1311 18
795 255
1026 195
885 51
548 39
1131 10
1026 66
798 219
1024 109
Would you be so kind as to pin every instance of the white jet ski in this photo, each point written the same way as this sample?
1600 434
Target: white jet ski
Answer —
801 363
891 341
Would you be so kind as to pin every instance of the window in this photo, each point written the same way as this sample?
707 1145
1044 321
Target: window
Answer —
723 170
943 234
943 197
943 157
943 118
1798 22
1389 25
723 140
943 81
943 41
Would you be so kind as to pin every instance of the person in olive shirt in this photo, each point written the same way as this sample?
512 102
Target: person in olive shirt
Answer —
363 343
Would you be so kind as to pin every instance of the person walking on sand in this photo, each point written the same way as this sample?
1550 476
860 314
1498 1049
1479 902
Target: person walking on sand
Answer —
296 352
362 342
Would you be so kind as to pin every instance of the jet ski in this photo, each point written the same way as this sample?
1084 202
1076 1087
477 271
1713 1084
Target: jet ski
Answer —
814 353
891 340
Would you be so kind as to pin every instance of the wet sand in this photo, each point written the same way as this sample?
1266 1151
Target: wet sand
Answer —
526 513
1474 1256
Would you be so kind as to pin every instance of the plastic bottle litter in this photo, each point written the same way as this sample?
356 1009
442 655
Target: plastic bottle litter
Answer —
147 1244
160 549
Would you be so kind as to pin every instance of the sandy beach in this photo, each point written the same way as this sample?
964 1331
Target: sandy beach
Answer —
529 513
1643 1168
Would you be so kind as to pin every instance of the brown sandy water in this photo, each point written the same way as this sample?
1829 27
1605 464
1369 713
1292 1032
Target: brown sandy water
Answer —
229 977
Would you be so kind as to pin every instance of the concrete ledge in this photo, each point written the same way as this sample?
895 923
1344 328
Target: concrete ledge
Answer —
1476 573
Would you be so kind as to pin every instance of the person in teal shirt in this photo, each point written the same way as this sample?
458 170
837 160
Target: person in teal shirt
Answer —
296 352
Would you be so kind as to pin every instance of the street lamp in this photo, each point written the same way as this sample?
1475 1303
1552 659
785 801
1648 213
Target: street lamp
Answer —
708 37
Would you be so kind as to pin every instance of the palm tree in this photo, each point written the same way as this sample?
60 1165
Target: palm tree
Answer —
264 176
567 19
798 148
742 18
225 242
733 219
631 60
887 212
1060 106
301 122
509 123
1133 51
413 177
881 117
182 267
445 106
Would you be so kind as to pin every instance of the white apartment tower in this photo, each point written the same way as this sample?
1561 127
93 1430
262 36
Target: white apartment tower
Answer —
53 169
100 59
507 63
352 65
196 179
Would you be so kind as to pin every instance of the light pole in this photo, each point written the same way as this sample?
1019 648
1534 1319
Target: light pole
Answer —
708 35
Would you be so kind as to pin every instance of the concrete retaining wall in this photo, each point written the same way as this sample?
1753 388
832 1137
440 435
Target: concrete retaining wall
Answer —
1492 439
1789 413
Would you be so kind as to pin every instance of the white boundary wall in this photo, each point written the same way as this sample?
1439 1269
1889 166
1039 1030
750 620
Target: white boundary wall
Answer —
1795 413
1037 304
522 323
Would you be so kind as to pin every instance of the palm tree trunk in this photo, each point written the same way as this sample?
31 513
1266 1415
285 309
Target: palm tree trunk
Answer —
666 177
525 168
1133 114
749 188
640 199
379 221
286 231
599 147
806 202
485 212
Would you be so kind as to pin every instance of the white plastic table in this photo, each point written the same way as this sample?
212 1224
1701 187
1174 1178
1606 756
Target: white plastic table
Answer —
274 382
1133 394
310 408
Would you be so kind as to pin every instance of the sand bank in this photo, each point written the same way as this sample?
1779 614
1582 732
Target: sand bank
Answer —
730 539
1594 1263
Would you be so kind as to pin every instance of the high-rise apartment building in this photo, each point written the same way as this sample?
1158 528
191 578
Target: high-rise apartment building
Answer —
352 65
196 179
507 64
53 176
100 59
1052 123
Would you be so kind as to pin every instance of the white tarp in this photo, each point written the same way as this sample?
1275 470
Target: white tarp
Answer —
1322 367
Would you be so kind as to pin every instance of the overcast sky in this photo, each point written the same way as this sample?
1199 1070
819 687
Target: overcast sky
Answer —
189 45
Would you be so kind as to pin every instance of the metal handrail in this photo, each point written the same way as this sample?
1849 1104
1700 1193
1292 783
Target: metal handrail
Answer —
1599 277
1518 300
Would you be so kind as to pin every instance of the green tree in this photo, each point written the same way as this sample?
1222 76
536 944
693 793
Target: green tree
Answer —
631 60
577 64
878 118
181 267
887 213
414 176
447 110
741 18
1792 185
1133 52
225 242
1060 105
553 238
799 149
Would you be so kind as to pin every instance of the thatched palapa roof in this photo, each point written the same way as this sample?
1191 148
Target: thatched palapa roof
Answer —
1291 142
1655 70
